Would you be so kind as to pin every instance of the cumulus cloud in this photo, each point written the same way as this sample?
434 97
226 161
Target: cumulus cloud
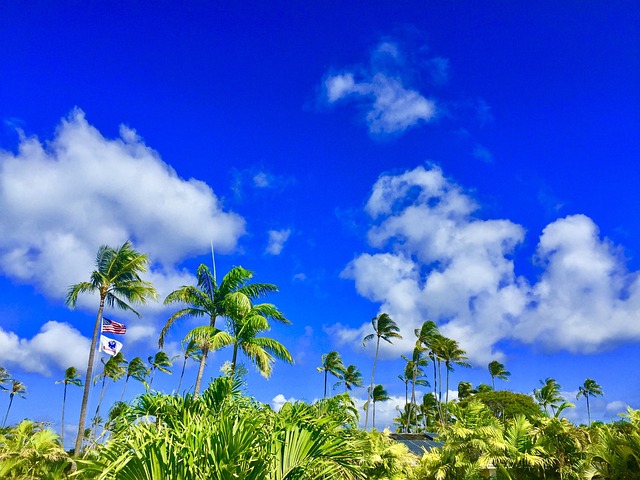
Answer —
57 345
277 239
440 261
391 105
279 400
62 199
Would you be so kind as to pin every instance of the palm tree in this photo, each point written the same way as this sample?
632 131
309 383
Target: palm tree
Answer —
117 281
590 388
71 377
497 370
139 371
4 378
379 394
331 364
428 335
384 328
416 377
549 394
351 377
452 355
17 388
246 322
191 350
114 369
207 299
159 361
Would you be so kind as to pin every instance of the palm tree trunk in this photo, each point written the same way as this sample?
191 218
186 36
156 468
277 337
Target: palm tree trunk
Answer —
203 361
124 388
373 372
8 408
326 372
153 374
447 389
87 381
104 384
406 406
234 358
373 423
184 364
64 401
588 409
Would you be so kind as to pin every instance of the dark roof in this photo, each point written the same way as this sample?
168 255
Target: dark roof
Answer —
417 443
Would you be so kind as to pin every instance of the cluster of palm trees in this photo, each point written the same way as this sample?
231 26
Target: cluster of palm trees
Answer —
16 388
118 282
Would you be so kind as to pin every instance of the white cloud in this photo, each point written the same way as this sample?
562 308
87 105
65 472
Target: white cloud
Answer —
391 106
63 199
385 412
277 239
279 400
440 262
57 345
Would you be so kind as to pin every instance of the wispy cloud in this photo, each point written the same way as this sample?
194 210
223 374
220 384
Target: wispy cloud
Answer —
392 105
277 239
441 262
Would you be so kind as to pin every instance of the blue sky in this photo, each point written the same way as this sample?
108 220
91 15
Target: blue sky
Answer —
473 164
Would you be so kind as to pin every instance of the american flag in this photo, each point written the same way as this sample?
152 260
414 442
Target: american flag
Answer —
113 327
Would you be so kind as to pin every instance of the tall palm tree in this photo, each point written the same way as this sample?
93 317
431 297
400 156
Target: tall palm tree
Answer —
384 328
379 394
71 377
118 283
17 388
246 323
114 369
549 394
452 354
416 377
159 361
497 370
428 335
207 299
139 371
190 350
331 364
589 388
351 378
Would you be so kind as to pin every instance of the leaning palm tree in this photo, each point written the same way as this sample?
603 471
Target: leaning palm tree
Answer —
497 370
159 361
71 377
17 388
207 299
351 378
331 364
190 350
139 371
118 283
246 323
590 388
384 328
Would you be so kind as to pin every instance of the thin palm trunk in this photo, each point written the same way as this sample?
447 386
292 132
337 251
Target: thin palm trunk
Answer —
373 423
203 360
447 389
234 358
102 390
7 414
184 364
125 387
64 401
87 381
406 406
326 373
588 410
369 396
413 396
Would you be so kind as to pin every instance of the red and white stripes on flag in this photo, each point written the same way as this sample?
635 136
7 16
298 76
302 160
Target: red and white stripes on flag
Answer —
109 326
